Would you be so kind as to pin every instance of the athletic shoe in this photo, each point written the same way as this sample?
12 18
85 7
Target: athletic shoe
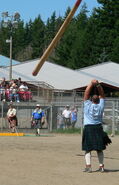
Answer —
88 170
101 169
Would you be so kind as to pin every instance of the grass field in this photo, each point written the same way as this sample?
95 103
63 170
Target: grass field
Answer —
53 159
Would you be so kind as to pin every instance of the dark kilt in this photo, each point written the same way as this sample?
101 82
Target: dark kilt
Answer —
94 138
13 121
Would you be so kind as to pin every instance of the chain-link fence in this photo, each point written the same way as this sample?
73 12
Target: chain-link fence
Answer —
53 114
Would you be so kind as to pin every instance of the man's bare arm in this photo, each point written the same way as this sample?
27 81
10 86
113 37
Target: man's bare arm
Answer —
88 89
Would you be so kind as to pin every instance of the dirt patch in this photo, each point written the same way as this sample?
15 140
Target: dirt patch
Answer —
53 160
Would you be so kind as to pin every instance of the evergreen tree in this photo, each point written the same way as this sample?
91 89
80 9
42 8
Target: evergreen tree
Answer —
81 49
63 49
4 47
26 52
37 39
107 17
71 49
18 39
50 29
86 41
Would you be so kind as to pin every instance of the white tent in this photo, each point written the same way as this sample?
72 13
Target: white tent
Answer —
107 72
63 78
55 75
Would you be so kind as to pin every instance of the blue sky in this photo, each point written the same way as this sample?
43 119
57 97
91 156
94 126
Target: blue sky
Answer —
30 9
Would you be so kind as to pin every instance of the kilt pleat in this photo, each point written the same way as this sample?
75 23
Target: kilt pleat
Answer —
93 138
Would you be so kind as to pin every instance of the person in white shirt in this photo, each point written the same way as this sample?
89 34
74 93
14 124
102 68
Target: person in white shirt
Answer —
23 87
12 118
67 116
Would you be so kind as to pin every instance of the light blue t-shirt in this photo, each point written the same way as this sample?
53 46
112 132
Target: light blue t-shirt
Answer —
93 112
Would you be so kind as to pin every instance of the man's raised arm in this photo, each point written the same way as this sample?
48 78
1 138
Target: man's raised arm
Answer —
100 90
89 88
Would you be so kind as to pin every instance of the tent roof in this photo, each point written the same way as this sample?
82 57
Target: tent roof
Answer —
62 78
5 61
56 76
107 72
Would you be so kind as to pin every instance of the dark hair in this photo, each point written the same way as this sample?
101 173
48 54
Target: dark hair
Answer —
10 105
95 99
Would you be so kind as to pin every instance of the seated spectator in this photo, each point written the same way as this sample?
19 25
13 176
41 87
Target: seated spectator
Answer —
11 82
3 82
23 87
24 92
2 88
14 93
7 92
19 82
2 92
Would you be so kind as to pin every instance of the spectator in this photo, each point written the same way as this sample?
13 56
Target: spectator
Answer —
24 92
23 87
12 118
37 119
60 122
19 82
3 82
2 88
2 92
66 116
14 93
73 116
7 92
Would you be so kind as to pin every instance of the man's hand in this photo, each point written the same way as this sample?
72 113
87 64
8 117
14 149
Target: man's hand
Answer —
94 82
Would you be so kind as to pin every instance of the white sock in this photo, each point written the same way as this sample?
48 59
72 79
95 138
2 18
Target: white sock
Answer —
88 158
38 130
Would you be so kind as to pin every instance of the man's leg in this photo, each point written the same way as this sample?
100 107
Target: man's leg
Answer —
38 131
65 124
88 162
100 155
38 126
68 122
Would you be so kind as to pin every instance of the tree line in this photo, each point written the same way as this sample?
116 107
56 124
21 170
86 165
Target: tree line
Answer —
88 39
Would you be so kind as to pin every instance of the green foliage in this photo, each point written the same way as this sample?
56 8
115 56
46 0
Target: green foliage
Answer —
87 40
37 37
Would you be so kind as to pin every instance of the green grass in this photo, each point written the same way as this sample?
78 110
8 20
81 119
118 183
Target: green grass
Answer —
68 131
76 131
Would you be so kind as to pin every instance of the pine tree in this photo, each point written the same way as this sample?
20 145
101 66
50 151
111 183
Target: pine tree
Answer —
37 40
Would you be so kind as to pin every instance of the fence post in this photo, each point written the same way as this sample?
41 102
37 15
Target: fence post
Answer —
2 105
51 118
113 118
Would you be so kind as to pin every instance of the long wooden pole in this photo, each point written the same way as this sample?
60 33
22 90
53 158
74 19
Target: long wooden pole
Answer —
56 38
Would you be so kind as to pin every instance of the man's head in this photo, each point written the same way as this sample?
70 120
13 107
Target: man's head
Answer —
67 106
38 106
95 99
10 106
